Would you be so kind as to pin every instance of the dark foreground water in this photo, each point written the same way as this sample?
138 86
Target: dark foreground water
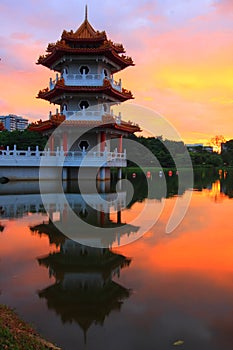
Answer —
146 295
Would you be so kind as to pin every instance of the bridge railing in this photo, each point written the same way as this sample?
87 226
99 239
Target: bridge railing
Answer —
67 157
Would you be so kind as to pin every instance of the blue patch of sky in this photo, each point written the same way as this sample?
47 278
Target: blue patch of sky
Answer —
46 18
180 11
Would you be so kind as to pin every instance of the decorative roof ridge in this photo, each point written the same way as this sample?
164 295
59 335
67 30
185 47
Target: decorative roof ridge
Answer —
107 120
119 48
72 36
84 31
107 44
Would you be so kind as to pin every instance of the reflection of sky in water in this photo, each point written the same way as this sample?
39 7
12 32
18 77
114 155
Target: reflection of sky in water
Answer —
181 284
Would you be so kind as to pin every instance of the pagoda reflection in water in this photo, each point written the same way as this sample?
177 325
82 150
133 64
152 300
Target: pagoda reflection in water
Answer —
84 291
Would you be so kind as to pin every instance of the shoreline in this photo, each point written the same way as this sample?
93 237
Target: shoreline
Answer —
18 335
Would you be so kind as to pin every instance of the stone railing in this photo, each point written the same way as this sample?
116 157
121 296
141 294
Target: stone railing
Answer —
52 83
85 114
90 114
60 157
85 80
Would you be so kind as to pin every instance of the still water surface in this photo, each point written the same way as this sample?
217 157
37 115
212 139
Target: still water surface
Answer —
146 295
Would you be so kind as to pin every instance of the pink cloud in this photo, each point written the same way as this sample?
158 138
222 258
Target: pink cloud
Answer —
17 56
224 7
21 36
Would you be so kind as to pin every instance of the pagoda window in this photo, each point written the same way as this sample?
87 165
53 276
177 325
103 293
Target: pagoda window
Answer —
83 145
64 109
84 70
84 104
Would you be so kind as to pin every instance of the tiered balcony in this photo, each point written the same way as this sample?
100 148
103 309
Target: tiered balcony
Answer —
90 114
86 80
95 113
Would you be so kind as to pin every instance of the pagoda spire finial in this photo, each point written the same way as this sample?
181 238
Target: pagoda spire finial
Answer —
86 13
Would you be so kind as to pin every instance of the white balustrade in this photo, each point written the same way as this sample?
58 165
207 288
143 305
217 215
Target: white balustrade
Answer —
82 79
85 114
90 114
116 84
59 157
118 118
52 83
85 80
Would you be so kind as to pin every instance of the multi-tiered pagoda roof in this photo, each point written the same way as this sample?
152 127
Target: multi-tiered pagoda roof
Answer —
85 40
108 121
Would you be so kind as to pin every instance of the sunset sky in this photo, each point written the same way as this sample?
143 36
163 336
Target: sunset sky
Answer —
182 49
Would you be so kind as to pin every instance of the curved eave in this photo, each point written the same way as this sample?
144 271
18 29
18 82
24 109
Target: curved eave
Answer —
126 127
60 89
60 51
50 125
44 125
130 128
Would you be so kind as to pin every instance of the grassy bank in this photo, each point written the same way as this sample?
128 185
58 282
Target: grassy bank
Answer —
17 335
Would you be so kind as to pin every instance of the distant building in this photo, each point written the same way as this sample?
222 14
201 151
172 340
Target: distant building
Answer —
208 149
197 147
14 122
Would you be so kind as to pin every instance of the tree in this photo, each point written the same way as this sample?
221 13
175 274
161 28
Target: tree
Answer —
227 152
216 142
215 160
22 139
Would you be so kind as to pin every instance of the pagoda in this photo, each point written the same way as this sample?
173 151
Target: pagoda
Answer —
85 62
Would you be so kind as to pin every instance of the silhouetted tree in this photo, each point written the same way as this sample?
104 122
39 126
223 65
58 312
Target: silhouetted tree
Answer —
216 142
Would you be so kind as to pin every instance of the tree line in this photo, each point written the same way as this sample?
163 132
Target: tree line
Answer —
166 150
22 139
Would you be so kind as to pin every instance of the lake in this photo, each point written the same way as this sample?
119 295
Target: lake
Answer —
162 291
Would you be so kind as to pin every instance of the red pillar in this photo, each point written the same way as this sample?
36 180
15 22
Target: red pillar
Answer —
102 140
65 142
51 143
120 144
